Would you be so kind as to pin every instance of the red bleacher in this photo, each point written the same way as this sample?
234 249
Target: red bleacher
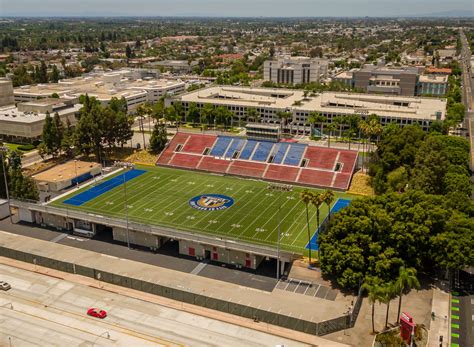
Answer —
247 168
342 180
213 165
185 160
198 143
316 177
282 173
348 159
321 158
321 163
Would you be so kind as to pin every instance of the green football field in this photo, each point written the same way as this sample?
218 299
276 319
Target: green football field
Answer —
161 196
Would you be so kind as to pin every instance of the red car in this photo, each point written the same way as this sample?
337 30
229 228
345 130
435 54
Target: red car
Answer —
98 313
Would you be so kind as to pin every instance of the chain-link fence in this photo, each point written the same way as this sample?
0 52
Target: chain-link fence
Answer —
315 328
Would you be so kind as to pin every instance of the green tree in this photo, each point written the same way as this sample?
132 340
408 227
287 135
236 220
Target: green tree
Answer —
54 76
158 138
397 179
406 281
387 294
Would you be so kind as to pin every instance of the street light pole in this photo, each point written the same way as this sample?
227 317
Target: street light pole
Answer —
2 150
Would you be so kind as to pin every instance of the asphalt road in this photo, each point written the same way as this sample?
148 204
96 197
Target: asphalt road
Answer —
168 256
41 310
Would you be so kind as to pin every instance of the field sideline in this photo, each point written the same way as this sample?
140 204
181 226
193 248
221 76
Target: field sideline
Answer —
163 196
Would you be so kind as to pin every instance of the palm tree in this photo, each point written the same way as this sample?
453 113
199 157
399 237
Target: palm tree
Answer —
316 201
318 118
339 121
388 292
306 196
142 111
331 127
206 113
328 198
406 280
252 114
365 130
374 294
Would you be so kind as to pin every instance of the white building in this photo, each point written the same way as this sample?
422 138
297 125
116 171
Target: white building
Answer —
135 87
402 110
295 70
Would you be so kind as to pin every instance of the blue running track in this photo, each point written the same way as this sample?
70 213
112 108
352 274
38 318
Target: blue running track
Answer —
339 205
102 188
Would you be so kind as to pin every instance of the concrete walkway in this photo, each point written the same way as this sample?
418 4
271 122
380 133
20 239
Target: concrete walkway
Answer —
440 326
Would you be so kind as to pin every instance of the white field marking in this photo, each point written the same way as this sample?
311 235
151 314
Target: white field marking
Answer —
160 199
111 195
144 197
212 221
148 210
119 194
109 203
260 230
290 197
169 213
241 207
268 194
236 225
156 177
206 215
191 217
209 185
249 192
229 188
289 213
191 183
262 213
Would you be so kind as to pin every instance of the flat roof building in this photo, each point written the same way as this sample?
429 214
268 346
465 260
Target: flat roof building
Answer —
6 92
104 86
295 70
403 110
24 123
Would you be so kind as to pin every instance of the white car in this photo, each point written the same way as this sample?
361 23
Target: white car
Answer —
5 286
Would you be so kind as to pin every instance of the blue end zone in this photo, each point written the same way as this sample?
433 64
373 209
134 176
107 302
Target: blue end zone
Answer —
102 188
339 205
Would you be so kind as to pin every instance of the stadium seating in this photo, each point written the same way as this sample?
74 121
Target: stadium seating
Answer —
283 161
198 143
295 154
221 146
263 151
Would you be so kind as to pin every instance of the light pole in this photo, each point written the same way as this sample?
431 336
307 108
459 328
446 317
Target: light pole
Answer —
3 149
279 188
126 206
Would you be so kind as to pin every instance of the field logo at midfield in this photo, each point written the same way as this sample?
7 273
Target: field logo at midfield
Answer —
211 202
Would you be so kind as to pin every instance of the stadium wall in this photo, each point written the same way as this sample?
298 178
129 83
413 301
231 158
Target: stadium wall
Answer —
238 259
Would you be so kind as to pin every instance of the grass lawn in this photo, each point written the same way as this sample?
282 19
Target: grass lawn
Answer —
161 196
14 147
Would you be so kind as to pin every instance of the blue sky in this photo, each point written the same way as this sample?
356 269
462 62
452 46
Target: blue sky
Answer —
232 8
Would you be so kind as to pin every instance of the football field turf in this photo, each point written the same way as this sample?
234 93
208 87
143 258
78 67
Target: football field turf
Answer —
224 206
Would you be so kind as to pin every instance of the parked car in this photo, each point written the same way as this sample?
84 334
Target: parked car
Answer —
97 313
5 286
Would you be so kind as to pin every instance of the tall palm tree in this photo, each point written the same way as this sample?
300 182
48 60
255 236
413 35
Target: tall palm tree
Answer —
316 201
406 280
365 130
340 122
306 196
388 292
331 127
374 293
318 118
328 198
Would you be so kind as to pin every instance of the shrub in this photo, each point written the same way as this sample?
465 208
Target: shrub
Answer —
26 148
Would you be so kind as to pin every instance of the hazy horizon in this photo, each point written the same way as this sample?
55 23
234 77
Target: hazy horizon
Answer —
232 8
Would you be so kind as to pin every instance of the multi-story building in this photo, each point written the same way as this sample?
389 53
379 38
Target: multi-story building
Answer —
433 85
24 122
270 103
136 86
405 81
295 70
374 79
6 93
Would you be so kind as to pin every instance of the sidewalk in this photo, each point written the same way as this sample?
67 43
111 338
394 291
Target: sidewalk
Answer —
440 325
201 311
